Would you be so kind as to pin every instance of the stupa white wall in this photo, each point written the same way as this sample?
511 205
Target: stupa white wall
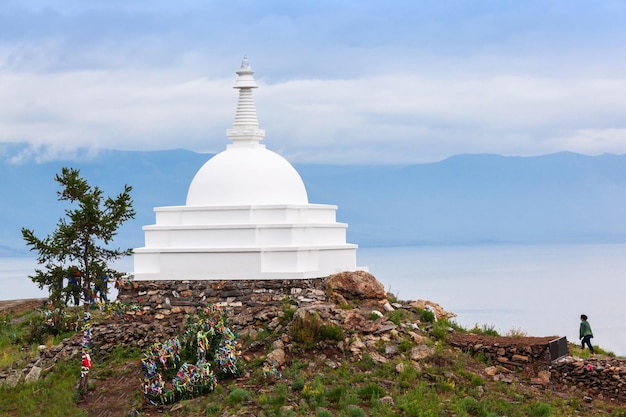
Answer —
247 216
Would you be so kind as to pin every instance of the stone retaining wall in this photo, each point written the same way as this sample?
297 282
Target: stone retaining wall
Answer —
247 299
512 356
602 377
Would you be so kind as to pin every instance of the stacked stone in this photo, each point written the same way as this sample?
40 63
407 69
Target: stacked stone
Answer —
172 300
511 356
605 378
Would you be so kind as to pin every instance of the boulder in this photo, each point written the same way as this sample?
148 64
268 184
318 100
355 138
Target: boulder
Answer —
439 311
357 285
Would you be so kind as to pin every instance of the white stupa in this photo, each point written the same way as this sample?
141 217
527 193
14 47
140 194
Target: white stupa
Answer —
247 216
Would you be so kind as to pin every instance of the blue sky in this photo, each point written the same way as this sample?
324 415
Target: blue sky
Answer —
340 81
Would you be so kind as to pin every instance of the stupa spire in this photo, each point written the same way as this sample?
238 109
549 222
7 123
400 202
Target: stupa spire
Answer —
245 129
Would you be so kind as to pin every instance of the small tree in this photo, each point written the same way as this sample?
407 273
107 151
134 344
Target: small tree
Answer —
80 241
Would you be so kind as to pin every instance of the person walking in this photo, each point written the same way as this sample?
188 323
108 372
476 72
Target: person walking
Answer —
585 334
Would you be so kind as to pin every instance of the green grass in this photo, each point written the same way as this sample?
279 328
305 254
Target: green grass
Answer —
446 383
52 396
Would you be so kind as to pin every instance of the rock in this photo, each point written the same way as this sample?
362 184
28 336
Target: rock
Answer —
544 376
356 346
388 307
491 370
353 319
387 400
12 380
359 285
421 352
276 357
377 357
439 312
418 338
391 350
385 328
520 358
503 378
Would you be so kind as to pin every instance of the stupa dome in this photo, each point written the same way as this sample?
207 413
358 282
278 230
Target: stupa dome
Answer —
246 173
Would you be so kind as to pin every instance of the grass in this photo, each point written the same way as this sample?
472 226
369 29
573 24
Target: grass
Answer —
52 396
446 383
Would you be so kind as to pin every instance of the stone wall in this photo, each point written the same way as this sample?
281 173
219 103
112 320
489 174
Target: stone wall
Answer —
512 353
601 377
171 301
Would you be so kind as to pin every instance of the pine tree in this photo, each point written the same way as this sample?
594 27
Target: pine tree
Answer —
80 243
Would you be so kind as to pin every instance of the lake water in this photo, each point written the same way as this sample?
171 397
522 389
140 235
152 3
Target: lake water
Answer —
539 289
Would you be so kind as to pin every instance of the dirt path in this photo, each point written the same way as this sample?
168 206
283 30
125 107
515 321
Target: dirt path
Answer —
19 306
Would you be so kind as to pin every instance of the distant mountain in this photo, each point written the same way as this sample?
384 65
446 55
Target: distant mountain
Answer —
465 199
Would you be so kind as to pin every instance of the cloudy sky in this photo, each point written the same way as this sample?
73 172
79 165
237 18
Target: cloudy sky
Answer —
359 81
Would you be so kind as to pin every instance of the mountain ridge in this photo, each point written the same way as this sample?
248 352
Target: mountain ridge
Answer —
563 197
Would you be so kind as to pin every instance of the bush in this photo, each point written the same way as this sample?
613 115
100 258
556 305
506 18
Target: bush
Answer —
427 316
297 384
51 323
305 329
331 332
485 329
371 392
539 409
238 395
356 412
471 406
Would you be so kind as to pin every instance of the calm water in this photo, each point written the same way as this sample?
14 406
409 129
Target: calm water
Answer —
539 289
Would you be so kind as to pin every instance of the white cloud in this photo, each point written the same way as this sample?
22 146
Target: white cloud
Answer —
414 82
402 118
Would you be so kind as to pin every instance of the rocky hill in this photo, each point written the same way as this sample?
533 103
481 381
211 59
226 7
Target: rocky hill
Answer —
340 346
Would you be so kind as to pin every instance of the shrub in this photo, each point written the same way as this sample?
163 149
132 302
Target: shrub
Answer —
288 311
405 345
425 316
440 329
373 316
485 329
308 329
297 384
335 394
331 332
51 323
516 332
305 329
371 392
355 412
238 395
323 413
396 317
539 409
470 406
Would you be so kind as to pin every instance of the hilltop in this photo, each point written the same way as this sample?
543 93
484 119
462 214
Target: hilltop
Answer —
379 357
